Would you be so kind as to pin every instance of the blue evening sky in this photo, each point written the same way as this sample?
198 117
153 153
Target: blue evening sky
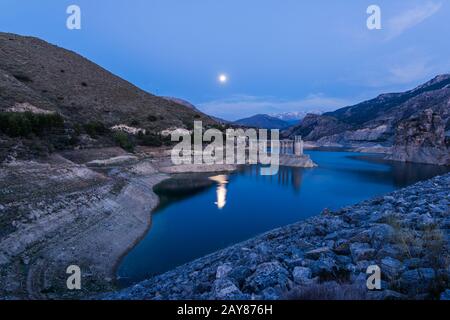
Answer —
279 55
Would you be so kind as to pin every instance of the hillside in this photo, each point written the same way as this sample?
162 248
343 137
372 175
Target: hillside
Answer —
262 121
389 120
39 77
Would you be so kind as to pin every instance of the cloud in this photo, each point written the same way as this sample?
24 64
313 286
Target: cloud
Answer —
399 70
407 73
410 18
241 106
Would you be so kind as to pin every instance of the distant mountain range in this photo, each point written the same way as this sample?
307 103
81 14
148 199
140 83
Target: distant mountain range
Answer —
274 120
293 117
263 121
414 124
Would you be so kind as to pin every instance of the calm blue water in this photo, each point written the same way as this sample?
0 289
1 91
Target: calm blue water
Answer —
233 208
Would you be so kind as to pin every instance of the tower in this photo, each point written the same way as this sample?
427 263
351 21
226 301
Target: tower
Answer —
298 146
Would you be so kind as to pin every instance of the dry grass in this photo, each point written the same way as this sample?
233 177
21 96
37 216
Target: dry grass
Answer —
430 246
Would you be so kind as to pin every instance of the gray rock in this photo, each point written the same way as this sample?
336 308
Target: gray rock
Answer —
316 253
342 247
362 265
361 251
426 221
239 274
202 287
223 270
364 237
225 289
292 263
417 280
343 260
301 275
389 251
382 233
323 266
271 294
269 274
391 267
412 263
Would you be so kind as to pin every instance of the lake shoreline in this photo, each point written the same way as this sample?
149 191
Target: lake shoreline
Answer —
334 247
85 210
92 208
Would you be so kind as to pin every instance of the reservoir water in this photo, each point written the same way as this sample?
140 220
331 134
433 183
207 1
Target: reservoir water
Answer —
201 213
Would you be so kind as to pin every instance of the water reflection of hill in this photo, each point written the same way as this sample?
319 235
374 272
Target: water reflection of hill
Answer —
289 177
181 186
406 173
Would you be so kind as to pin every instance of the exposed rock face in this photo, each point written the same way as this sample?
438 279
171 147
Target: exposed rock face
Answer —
406 233
55 213
388 120
314 127
422 139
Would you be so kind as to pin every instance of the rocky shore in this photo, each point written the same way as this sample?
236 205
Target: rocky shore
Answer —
405 233
58 212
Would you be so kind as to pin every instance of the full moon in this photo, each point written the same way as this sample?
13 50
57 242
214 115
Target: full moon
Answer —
223 78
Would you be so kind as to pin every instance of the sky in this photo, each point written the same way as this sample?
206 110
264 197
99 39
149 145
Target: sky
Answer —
278 55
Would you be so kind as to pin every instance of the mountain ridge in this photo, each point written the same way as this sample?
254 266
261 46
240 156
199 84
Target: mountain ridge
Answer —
263 121
56 79
38 78
380 121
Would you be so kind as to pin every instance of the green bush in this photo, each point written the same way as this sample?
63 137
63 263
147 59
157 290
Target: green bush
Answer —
95 129
124 141
23 124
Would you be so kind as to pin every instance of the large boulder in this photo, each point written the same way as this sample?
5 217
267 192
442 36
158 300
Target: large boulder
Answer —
302 275
269 274
418 280
225 289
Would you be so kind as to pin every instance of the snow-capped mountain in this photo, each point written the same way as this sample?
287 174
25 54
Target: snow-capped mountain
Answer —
293 117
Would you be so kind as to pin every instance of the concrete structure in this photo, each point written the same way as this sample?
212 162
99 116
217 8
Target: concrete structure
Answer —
293 147
298 146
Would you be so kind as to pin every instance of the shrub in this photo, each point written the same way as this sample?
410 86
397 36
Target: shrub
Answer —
95 129
124 141
24 124
152 118
152 139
